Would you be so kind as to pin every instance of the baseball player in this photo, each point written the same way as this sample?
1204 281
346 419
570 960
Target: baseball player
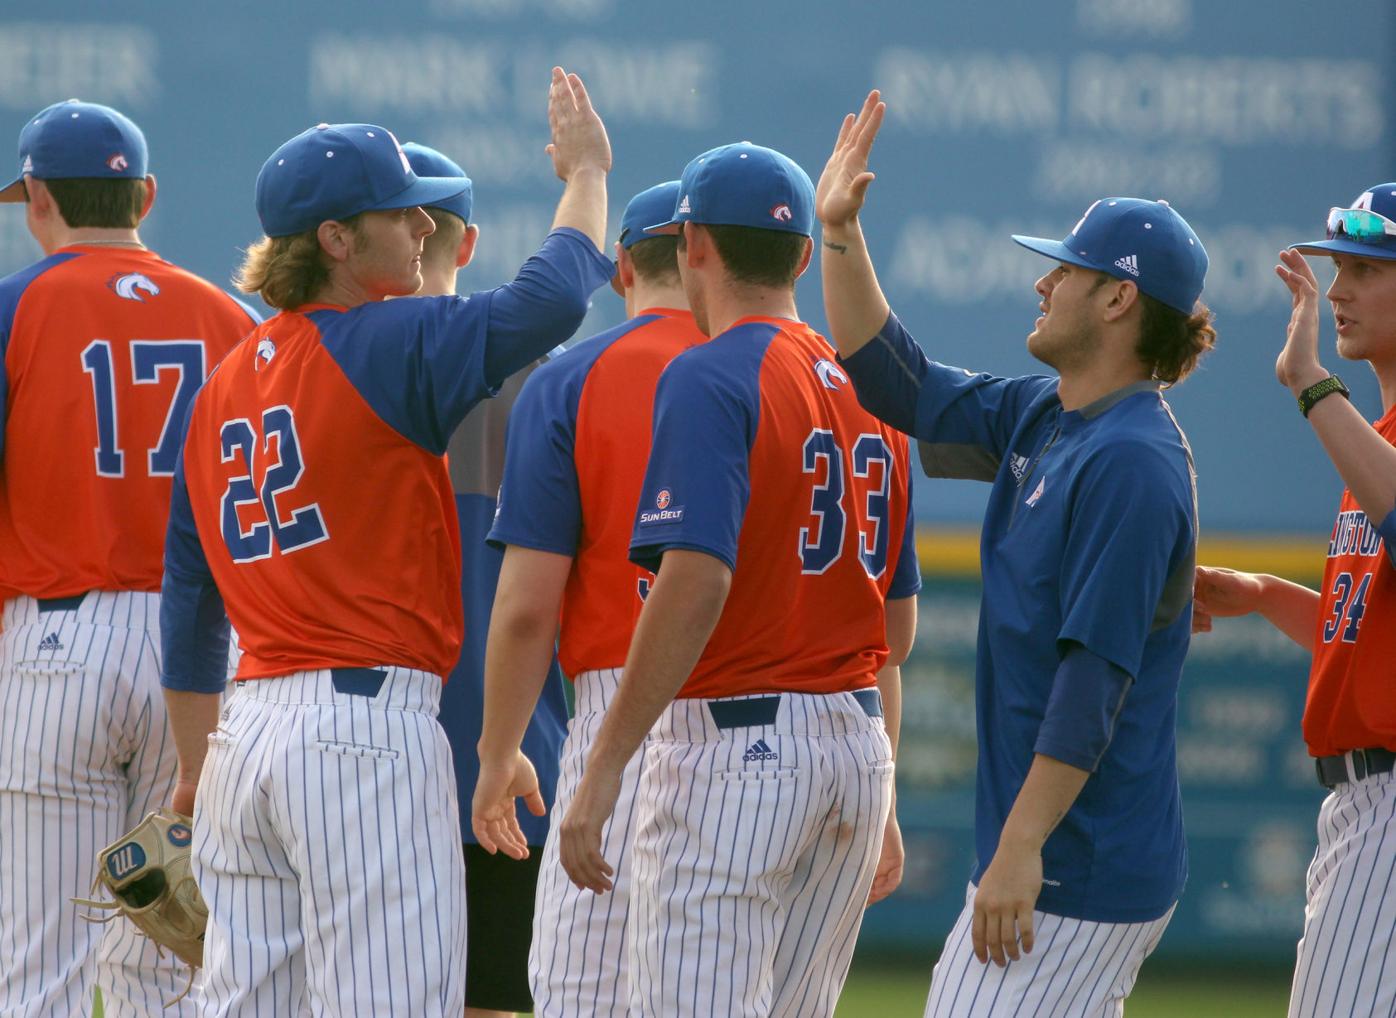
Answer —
576 458
313 501
1088 548
1349 625
776 536
102 345
499 889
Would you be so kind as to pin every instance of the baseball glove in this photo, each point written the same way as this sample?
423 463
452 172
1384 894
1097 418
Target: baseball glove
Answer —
147 872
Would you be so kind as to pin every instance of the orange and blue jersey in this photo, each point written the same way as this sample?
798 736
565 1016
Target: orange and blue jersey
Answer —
101 351
578 442
1351 704
312 501
763 458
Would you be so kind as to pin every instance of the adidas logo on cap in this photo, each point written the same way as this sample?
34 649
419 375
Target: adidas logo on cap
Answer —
684 208
1130 263
758 750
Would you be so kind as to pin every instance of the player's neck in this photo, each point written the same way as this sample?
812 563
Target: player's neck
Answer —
69 236
437 282
726 305
1083 386
645 294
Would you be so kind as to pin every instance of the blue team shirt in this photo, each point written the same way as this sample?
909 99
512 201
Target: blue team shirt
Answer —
1088 544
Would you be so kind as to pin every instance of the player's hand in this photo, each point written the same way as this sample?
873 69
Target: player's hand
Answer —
1003 904
493 815
579 836
1298 365
579 139
1223 593
890 863
844 183
184 794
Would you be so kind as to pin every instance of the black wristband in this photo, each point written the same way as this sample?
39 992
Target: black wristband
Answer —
1318 390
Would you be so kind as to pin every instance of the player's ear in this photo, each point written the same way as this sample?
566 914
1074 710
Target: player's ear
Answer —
466 251
693 244
805 258
149 201
1124 298
336 239
624 277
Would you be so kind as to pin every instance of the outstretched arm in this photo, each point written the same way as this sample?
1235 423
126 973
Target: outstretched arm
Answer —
1365 461
1224 593
853 300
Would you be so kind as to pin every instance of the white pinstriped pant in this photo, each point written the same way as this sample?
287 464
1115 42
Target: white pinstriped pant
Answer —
1077 969
1347 957
327 845
750 875
578 964
85 754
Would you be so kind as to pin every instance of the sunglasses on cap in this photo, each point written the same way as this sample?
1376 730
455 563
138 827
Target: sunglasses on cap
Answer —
1361 225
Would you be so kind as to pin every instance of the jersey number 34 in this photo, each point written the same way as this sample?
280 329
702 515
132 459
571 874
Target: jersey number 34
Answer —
277 525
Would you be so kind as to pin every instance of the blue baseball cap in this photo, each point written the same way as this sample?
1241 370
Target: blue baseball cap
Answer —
744 185
427 162
334 171
1143 241
651 204
1366 229
77 139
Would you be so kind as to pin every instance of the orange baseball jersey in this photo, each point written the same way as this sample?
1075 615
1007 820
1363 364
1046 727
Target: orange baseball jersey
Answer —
103 349
763 458
578 442
1351 703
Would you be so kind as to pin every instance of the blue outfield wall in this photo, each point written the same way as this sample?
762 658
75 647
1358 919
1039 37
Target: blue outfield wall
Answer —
1251 116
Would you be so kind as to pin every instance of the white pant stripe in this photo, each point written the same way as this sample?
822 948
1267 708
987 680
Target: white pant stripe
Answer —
1346 949
1077 969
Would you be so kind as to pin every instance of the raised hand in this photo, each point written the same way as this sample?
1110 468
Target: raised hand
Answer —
579 140
843 185
1298 365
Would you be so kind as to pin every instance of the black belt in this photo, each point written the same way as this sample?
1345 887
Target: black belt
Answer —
1333 770
358 681
60 604
758 711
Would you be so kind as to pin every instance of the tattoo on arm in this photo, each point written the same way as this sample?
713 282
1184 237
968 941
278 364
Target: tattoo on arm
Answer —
840 248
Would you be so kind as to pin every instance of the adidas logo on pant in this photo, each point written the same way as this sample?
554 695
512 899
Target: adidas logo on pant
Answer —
50 642
1130 263
758 750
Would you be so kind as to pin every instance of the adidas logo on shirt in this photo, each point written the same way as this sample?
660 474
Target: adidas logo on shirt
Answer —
1019 465
51 642
1130 263
758 750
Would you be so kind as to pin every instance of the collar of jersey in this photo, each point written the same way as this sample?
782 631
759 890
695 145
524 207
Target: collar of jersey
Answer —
305 309
1097 407
666 312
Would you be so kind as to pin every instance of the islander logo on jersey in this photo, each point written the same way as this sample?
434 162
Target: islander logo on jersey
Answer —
266 350
662 513
132 285
830 374
1037 493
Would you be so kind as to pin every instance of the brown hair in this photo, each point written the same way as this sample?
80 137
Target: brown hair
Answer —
98 202
755 256
287 272
656 259
1171 342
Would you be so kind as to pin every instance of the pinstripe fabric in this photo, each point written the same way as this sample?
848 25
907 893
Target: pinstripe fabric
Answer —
578 964
1347 956
1077 969
327 845
750 877
85 754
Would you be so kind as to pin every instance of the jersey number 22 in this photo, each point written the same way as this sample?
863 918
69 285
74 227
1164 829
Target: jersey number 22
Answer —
287 533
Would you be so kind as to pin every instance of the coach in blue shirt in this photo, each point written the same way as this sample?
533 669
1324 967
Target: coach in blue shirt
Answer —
1087 557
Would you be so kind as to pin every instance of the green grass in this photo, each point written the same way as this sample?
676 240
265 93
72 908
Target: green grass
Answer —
879 990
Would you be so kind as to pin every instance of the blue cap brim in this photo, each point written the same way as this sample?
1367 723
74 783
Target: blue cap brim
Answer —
13 191
422 191
1053 249
665 229
1348 247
